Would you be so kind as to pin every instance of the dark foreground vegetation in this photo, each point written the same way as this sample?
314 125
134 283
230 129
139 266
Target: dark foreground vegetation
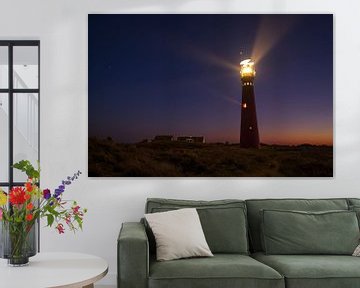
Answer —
173 159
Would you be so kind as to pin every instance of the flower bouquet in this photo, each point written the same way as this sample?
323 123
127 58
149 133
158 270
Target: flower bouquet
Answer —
21 208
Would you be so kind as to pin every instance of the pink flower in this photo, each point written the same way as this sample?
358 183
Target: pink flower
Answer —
60 228
76 210
1 212
68 219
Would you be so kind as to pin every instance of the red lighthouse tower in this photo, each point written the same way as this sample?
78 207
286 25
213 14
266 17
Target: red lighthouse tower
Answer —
249 133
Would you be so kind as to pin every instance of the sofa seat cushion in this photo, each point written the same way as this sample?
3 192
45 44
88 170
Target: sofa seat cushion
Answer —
314 271
222 270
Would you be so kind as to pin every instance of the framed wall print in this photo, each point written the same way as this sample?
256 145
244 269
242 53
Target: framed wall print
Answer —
210 95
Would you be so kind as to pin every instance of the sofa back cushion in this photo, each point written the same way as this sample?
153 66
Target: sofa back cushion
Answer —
354 205
255 206
353 201
223 221
298 232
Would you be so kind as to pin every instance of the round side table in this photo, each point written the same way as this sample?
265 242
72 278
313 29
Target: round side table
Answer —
50 270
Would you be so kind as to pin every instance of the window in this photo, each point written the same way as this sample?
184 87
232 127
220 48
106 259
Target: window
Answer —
19 108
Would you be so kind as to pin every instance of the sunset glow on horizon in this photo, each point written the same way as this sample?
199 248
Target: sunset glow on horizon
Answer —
180 75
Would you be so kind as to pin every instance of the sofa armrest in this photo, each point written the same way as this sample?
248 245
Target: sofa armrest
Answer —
133 256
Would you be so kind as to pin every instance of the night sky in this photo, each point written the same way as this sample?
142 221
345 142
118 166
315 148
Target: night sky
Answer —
179 75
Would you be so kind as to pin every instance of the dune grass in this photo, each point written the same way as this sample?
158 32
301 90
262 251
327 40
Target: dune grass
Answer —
108 158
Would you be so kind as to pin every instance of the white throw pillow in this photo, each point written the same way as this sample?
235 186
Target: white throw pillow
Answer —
357 251
178 234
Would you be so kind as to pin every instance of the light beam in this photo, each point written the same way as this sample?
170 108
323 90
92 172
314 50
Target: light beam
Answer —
266 39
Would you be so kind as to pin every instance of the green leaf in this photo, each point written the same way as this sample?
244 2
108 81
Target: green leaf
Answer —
79 221
26 167
50 219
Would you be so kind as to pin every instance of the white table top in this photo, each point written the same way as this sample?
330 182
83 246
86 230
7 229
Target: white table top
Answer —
68 270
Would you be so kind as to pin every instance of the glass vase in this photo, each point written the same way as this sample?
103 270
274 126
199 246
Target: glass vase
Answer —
18 242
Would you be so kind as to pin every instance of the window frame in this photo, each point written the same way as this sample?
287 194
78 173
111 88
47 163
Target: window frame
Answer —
10 91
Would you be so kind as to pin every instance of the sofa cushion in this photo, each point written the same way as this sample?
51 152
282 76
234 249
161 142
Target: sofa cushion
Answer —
356 209
314 271
353 201
354 205
223 221
222 270
178 234
254 206
297 232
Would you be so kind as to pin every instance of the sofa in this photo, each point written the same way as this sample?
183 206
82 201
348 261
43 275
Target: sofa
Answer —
235 232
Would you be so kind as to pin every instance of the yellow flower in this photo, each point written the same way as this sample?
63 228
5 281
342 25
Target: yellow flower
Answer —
3 198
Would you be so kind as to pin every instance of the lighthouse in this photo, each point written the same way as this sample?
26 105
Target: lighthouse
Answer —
249 133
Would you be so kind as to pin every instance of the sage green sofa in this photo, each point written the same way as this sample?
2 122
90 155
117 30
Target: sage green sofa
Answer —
233 230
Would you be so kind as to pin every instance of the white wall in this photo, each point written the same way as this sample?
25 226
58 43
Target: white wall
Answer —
61 25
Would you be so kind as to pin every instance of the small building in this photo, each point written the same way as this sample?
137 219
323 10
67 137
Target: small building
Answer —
191 139
163 138
199 139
